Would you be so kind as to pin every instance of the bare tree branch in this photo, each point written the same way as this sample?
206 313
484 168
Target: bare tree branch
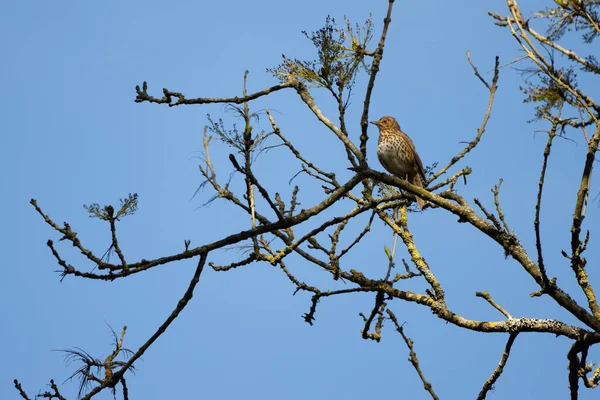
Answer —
413 356
489 384
20 390
142 96
488 297
364 121
492 88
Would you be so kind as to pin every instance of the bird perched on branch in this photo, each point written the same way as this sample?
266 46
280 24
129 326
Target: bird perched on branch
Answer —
397 154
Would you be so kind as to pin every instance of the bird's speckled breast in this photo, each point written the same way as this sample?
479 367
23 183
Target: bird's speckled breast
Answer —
392 157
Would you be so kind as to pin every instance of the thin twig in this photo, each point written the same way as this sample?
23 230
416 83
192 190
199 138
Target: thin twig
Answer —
496 192
413 356
451 180
409 274
391 263
115 242
20 389
488 297
489 384
330 176
142 95
376 311
52 395
248 260
307 98
181 304
68 234
309 317
492 88
125 389
362 234
574 370
489 215
538 205
364 121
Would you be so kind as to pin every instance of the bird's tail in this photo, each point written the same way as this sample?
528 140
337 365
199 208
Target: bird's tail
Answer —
417 182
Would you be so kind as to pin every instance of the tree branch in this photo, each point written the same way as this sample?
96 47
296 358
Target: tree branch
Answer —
142 96
489 384
413 356
492 88
364 121
189 293
488 297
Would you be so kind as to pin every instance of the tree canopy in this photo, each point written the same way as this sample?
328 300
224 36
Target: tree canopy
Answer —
505 246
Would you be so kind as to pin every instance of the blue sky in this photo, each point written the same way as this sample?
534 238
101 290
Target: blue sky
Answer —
73 135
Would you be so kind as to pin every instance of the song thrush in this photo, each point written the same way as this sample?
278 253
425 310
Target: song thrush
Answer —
397 154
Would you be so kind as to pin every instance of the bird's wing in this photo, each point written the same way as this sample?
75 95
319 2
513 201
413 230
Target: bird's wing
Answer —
420 168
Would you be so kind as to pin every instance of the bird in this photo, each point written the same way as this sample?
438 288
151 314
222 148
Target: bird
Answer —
397 153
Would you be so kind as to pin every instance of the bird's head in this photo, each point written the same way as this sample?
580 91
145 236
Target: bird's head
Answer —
386 123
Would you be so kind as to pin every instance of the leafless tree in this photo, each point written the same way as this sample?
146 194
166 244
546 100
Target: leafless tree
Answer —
344 51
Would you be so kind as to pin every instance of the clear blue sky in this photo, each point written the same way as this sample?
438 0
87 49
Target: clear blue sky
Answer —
72 135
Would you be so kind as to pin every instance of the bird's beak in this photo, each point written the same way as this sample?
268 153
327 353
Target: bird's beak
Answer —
373 122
